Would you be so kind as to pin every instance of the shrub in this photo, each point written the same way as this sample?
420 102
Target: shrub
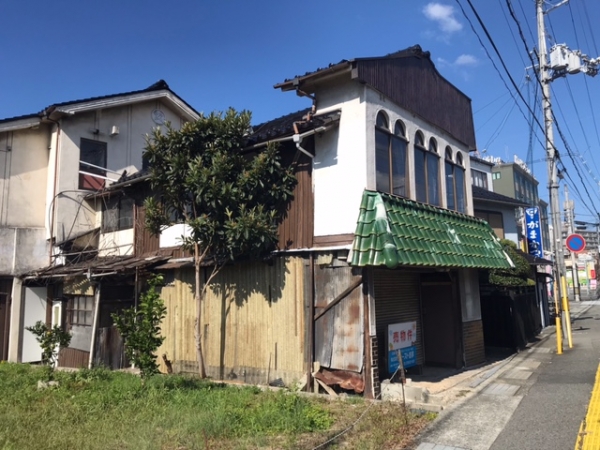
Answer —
140 328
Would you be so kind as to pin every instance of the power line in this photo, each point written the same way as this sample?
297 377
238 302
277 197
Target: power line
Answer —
567 147
569 153
499 57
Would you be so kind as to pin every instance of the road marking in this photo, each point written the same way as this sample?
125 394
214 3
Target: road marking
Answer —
589 431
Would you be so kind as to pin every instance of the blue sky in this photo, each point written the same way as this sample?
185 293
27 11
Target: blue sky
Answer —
232 52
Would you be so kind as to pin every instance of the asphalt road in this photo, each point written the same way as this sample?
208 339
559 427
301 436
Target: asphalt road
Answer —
552 408
536 402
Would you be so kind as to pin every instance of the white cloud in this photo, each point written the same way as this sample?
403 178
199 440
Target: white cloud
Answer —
443 15
466 60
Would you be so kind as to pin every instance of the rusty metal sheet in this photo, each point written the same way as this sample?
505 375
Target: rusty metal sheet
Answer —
342 378
339 342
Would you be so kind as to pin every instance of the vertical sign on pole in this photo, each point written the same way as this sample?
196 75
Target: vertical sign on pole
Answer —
534 232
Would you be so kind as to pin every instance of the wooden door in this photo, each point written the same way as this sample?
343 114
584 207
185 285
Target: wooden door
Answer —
4 325
439 323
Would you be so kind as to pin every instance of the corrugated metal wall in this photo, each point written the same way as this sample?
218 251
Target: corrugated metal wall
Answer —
339 333
396 300
253 322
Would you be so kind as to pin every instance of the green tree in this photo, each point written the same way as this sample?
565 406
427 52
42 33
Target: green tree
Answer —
140 328
232 200
519 275
51 339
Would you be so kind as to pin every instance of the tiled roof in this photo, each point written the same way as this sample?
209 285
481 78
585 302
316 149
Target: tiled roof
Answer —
158 86
393 231
415 50
534 260
284 125
489 196
99 266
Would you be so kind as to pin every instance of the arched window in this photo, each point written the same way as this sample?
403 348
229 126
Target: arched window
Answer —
420 168
427 172
433 174
390 156
455 182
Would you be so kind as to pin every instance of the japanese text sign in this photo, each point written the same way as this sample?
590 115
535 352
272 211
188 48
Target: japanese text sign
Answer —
533 231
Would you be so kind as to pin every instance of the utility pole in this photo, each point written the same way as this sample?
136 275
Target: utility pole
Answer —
556 235
570 210
562 62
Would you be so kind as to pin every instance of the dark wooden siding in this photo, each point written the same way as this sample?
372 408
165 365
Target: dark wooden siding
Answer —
145 241
5 296
415 84
473 342
71 357
296 230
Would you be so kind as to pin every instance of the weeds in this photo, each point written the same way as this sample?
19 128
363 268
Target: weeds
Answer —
100 409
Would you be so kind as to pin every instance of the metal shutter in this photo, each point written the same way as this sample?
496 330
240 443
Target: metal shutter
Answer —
396 294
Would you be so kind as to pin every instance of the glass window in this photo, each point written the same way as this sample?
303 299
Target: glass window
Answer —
92 164
420 168
117 214
390 156
80 311
479 178
450 197
399 160
455 183
433 179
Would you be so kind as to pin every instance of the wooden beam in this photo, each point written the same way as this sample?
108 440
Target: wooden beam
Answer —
339 298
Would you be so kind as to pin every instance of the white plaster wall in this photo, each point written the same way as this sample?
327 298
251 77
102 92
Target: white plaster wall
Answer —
22 250
375 102
117 243
73 215
339 175
34 310
23 175
171 236
469 294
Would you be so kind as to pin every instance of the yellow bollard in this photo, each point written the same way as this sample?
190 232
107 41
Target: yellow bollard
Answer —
558 316
565 305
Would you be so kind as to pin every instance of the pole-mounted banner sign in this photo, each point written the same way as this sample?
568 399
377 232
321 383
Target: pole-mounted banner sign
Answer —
533 232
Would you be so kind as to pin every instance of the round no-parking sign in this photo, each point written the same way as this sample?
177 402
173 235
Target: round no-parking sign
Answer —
575 243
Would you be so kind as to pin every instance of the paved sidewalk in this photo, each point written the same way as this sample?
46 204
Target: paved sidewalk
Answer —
492 396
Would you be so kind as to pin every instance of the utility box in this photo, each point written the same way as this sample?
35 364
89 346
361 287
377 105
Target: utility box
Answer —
559 57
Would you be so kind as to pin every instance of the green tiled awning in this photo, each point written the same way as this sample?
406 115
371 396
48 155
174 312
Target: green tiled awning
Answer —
394 231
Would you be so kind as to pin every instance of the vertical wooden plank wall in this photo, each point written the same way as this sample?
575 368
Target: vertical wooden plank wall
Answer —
253 322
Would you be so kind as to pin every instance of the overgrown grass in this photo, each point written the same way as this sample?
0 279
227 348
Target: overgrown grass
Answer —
100 409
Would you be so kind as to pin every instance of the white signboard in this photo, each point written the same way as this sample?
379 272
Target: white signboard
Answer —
402 335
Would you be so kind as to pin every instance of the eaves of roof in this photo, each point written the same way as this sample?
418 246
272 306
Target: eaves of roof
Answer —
482 194
284 125
159 89
394 231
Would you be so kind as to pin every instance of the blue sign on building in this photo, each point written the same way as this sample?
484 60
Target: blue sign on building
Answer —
533 232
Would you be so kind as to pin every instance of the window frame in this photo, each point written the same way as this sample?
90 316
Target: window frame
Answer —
427 154
397 136
118 205
77 308
87 148
453 166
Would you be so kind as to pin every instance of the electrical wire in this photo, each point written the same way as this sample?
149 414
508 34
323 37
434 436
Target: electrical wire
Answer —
567 147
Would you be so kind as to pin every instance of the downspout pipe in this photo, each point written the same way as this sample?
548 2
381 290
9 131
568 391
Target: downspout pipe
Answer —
53 203
298 137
